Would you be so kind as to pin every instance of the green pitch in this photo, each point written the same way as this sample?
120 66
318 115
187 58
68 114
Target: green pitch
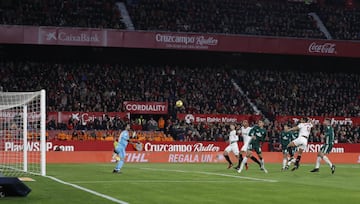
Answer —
192 183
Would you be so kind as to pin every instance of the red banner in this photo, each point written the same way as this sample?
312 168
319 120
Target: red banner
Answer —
169 40
320 119
11 114
142 107
70 146
173 157
84 117
216 118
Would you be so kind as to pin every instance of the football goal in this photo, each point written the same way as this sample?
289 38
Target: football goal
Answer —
22 133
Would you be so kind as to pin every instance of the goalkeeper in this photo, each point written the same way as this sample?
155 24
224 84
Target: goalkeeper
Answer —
121 147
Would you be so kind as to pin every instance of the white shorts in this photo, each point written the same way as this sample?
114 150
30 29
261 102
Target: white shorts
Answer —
245 146
301 142
233 147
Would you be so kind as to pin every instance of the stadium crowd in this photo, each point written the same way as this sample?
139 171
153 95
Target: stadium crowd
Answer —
93 14
204 89
274 18
347 27
302 93
261 17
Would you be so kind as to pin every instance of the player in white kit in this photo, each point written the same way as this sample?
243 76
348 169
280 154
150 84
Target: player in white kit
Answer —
244 132
233 145
301 141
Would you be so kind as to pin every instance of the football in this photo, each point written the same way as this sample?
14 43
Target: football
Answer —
179 103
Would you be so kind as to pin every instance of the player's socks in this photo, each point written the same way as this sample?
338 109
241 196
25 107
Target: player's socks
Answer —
333 169
262 167
255 160
327 160
240 160
297 161
318 160
228 160
284 163
242 164
291 160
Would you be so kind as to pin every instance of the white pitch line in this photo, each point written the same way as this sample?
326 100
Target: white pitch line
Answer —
88 190
158 181
216 174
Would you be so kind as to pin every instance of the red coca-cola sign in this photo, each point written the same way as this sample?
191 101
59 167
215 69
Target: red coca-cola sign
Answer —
327 48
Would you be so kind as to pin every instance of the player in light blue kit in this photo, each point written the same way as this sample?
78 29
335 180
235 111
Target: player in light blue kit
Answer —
121 147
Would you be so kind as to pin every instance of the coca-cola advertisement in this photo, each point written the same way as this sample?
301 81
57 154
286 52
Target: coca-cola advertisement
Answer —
216 118
171 40
325 48
142 107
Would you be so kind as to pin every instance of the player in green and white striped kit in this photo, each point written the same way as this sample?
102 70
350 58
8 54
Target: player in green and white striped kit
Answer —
257 134
326 147
285 138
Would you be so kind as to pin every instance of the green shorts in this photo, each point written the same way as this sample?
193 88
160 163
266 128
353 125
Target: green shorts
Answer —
255 148
326 148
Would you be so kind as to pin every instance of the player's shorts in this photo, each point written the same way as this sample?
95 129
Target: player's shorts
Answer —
301 142
245 146
121 152
326 148
255 148
233 147
285 151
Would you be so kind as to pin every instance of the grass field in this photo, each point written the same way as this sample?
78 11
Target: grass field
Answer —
192 183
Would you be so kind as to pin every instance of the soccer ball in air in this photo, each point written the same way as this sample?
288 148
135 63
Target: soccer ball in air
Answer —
179 103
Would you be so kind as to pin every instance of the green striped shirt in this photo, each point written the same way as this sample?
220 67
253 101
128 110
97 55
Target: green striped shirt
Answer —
329 135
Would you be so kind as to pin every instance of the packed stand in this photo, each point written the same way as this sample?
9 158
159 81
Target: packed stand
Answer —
343 23
104 87
203 89
302 93
262 17
70 13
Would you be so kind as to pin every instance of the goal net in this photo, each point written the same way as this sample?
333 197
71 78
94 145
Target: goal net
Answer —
22 133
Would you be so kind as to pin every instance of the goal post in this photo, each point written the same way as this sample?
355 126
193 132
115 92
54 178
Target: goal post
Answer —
23 133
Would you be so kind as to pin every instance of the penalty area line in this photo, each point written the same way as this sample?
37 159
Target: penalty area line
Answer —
88 190
215 174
